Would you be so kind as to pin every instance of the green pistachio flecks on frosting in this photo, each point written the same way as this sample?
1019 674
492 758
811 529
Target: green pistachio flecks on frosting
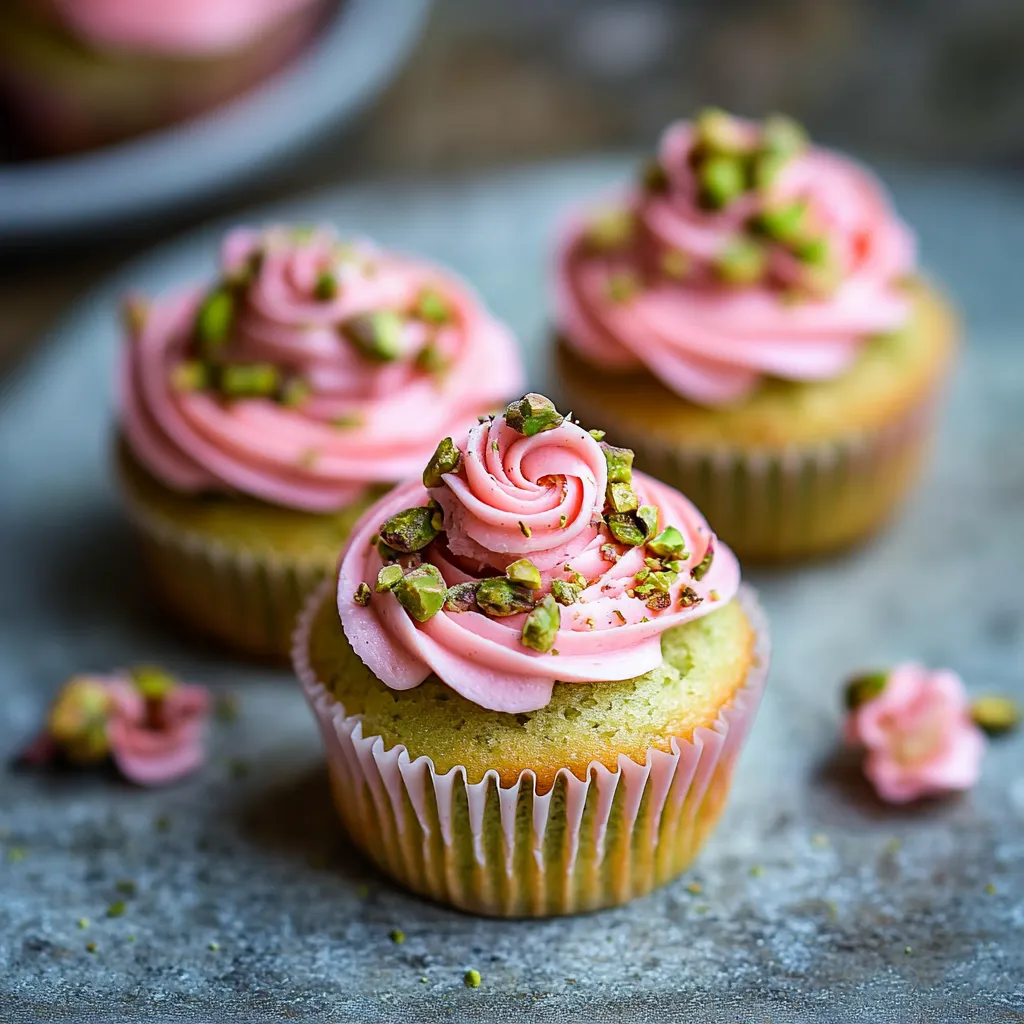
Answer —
153 682
722 179
719 132
191 375
541 626
668 544
326 287
699 571
500 597
363 594
565 592
421 592
294 392
249 380
525 572
864 688
430 358
462 598
786 223
412 529
622 286
432 307
742 262
783 136
446 459
675 264
634 528
620 464
214 320
388 576
610 230
377 335
533 414
622 497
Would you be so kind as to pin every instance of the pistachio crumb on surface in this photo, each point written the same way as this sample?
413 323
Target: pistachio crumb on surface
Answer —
756 871
213 946
83 923
397 936
990 889
90 947
472 978
695 888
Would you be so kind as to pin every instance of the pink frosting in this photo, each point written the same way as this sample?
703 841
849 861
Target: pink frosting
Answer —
710 343
171 26
300 457
918 734
508 482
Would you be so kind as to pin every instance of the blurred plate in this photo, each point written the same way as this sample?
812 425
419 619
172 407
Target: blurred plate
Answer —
352 59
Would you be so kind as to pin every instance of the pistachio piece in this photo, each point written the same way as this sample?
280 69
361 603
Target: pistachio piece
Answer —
191 375
622 497
765 170
446 459
814 251
412 529
153 682
461 598
597 435
654 178
387 577
421 592
659 601
565 592
533 414
622 286
668 544
782 136
430 358
786 224
620 463
525 572
214 320
362 595
722 179
626 529
689 598
699 571
433 307
77 721
741 262
326 287
995 713
500 596
648 516
716 131
675 264
294 392
610 230
377 335
864 688
541 626
249 380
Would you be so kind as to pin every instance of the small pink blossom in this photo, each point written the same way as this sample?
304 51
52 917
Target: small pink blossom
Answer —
918 735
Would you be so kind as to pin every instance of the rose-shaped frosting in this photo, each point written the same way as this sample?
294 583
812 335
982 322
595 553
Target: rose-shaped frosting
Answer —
916 728
170 26
288 401
542 499
713 283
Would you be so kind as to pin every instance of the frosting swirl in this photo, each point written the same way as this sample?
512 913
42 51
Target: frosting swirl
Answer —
312 371
536 507
735 261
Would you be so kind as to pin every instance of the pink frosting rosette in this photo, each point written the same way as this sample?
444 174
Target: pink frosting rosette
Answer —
587 590
746 254
916 728
311 371
196 27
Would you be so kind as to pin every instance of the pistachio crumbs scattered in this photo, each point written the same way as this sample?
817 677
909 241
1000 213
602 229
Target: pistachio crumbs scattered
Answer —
397 936
472 979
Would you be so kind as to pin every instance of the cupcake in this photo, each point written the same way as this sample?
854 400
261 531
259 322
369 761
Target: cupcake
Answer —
751 321
262 415
533 673
85 73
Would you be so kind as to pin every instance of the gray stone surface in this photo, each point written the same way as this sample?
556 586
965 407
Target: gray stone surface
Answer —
816 903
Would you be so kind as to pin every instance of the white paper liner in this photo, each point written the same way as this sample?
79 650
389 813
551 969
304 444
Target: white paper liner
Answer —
401 810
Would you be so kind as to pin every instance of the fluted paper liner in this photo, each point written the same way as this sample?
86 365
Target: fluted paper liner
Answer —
510 850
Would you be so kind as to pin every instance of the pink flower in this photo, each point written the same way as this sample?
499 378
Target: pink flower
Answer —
916 728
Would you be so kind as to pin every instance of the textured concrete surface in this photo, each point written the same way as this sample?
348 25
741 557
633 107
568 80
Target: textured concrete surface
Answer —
812 902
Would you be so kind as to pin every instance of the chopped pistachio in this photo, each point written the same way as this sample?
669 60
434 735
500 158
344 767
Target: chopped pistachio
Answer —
620 464
326 287
213 947
433 307
533 414
610 230
376 335
542 625
563 521
610 553
421 592
152 682
388 576
765 170
782 136
622 497
387 554
662 580
125 886
689 598
83 923
91 947
363 593
722 179
813 251
471 979
446 459
461 597
525 572
623 285
996 714
565 592
675 264
648 516
668 544
864 688
597 435
718 132
741 262
430 358
397 936
619 616
699 571
786 223
347 422
249 380
756 871
654 177
524 529
990 889
626 529
294 392
658 601
409 530
117 909
214 320
500 596
191 375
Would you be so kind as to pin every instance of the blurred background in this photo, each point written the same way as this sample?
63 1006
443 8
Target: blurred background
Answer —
486 83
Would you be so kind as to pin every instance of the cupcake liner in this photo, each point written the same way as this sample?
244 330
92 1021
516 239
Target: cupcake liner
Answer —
512 851
246 600
799 501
